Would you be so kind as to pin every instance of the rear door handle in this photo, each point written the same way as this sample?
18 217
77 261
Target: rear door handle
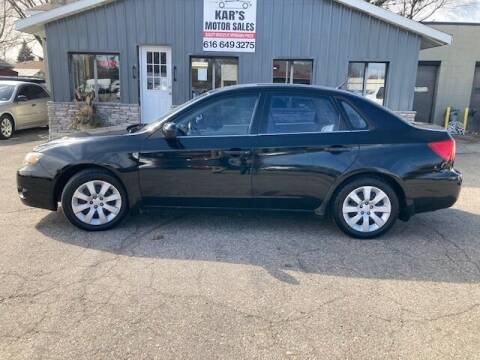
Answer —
336 149
34 105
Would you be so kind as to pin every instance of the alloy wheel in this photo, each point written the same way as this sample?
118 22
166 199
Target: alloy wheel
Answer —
366 209
6 127
96 202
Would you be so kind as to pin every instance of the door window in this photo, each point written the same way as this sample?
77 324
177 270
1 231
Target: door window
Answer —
157 78
301 114
356 120
226 116
293 71
213 73
32 92
25 91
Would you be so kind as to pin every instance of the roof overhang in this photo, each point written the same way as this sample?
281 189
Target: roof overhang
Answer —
35 23
430 36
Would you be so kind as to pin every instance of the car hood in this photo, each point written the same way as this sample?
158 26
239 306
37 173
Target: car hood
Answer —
83 137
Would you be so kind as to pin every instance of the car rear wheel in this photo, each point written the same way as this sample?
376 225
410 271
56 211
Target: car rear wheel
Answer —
94 200
6 127
365 208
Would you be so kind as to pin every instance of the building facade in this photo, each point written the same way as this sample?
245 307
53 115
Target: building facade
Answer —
449 76
140 57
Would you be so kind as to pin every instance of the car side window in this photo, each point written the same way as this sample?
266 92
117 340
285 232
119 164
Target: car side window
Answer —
32 92
25 91
356 120
301 114
40 92
225 116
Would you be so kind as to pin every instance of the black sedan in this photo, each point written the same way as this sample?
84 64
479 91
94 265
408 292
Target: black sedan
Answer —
271 147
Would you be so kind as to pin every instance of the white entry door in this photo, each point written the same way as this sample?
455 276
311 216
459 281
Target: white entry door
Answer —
155 81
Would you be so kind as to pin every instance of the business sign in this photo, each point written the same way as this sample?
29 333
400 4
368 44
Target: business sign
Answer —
229 25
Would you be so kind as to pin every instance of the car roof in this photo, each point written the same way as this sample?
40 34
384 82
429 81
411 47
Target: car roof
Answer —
271 86
17 82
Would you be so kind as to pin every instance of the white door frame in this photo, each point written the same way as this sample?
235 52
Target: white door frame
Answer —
155 88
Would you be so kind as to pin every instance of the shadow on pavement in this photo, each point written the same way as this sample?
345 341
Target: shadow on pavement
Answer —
25 136
441 247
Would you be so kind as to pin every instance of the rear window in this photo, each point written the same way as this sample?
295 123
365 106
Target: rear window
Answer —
356 120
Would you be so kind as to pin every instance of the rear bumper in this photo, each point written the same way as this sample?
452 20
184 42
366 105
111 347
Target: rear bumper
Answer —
433 191
36 191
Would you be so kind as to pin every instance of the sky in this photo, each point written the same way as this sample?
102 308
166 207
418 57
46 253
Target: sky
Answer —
465 13
454 12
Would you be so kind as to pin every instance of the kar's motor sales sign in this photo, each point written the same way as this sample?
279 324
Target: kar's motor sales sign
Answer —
229 25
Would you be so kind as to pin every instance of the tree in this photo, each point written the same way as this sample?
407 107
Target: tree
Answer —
10 12
18 8
25 53
419 10
9 38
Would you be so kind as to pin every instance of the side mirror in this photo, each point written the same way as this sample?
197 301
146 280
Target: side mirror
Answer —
169 131
21 98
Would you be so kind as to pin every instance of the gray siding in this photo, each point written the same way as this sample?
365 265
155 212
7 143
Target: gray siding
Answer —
325 31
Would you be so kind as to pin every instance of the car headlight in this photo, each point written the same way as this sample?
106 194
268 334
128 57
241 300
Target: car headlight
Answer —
32 158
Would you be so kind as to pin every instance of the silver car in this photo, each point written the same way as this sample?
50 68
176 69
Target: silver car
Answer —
23 105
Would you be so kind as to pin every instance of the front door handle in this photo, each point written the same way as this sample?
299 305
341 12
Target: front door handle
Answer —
34 105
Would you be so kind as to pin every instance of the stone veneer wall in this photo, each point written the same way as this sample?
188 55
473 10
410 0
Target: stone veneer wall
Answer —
61 114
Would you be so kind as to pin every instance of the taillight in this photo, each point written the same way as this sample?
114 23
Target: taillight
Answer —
445 149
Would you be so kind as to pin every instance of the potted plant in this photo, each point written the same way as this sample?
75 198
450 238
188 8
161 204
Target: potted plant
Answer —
86 116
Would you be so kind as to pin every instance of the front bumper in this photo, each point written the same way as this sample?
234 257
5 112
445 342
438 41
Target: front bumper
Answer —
433 191
36 191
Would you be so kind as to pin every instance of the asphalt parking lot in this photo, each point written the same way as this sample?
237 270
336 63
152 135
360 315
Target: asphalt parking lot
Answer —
205 285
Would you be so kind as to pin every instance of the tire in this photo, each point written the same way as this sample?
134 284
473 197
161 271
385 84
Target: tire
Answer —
98 213
351 212
7 127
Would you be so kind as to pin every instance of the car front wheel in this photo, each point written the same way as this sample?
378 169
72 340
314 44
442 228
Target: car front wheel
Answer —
94 200
6 127
365 208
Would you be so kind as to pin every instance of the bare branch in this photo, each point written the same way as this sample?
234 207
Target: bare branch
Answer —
11 11
419 10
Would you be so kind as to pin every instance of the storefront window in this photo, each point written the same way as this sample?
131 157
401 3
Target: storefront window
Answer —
98 74
213 73
368 79
293 71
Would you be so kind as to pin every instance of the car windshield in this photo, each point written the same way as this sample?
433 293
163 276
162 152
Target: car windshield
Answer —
6 92
154 125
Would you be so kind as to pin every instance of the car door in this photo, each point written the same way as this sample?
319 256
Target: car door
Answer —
25 107
41 97
209 163
304 145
